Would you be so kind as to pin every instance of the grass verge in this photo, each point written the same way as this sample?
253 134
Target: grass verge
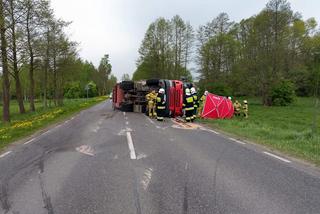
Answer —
23 125
285 129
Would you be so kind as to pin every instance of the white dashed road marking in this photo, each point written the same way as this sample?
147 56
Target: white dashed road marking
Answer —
131 147
237 141
85 149
5 154
147 178
29 141
277 157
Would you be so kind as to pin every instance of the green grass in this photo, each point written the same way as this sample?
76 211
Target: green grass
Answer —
23 125
285 129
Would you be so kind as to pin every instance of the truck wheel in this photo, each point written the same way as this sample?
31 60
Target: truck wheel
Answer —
127 85
126 107
152 82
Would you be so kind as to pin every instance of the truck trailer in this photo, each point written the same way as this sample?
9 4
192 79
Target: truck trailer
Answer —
130 96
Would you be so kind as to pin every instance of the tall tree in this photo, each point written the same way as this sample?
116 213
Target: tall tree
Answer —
165 50
104 70
15 14
5 67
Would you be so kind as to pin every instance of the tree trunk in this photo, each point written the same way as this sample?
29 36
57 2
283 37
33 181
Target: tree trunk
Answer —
19 94
31 66
5 69
16 73
45 82
31 79
55 88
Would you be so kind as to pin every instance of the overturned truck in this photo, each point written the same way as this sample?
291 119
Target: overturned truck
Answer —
130 96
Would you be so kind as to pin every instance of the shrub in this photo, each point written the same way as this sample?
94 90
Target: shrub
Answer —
219 89
283 94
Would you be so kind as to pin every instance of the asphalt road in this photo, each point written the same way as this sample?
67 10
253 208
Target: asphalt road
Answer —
104 161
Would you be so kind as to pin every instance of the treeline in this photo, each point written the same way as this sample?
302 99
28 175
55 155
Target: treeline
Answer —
40 62
166 50
269 53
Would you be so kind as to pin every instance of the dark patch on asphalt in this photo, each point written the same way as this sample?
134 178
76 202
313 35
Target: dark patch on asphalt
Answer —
136 193
41 165
46 198
4 197
185 199
109 115
185 192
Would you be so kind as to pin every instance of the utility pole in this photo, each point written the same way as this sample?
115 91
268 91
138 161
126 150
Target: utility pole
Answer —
87 90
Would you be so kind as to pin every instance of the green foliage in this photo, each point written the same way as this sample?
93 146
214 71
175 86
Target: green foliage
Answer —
165 50
73 90
251 56
23 125
283 93
286 129
93 91
216 88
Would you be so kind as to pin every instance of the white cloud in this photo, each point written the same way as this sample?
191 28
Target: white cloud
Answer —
117 27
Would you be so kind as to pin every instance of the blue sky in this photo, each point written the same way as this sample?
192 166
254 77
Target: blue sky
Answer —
117 27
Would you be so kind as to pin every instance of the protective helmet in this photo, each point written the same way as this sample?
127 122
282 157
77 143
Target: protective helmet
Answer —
206 93
153 91
245 102
187 91
193 90
161 91
230 98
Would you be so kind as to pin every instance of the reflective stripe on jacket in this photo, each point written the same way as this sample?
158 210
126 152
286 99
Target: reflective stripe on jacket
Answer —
161 101
188 103
195 100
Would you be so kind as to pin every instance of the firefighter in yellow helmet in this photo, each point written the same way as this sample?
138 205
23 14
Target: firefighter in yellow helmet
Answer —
151 98
202 102
237 108
161 104
188 105
245 108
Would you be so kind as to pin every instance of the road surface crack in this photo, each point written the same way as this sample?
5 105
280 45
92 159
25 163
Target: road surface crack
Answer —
45 196
4 197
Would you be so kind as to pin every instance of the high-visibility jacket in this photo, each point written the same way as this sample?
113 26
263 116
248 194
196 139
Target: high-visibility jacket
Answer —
151 97
188 103
202 101
195 100
161 101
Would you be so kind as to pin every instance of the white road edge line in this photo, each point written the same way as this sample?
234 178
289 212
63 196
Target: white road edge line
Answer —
29 141
131 147
277 157
127 122
213 131
237 141
5 154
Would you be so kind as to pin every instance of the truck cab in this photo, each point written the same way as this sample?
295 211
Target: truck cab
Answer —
130 96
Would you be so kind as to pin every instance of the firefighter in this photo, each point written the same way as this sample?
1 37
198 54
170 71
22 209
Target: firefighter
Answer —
202 102
188 105
237 108
195 102
161 104
151 98
245 108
